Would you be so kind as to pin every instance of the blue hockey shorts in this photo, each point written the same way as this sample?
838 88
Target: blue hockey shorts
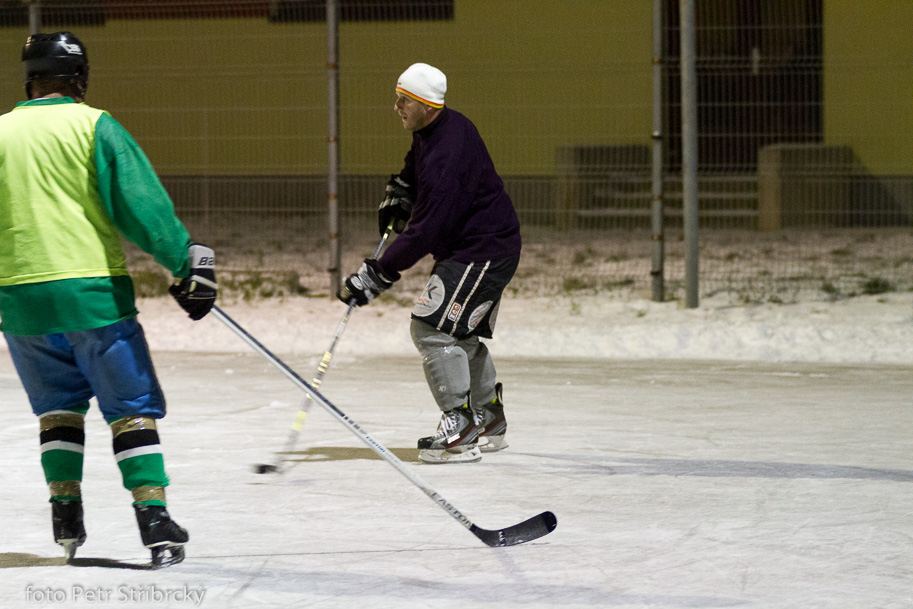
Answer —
111 363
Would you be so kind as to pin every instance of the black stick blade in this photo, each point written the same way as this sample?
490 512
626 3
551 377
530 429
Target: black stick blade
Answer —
528 530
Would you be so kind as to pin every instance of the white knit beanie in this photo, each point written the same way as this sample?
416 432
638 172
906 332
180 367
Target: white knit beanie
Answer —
425 83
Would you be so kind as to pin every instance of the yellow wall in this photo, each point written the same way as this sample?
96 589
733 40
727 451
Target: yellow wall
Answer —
229 96
243 96
532 75
868 81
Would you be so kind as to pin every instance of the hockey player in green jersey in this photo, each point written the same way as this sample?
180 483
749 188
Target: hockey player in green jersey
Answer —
72 182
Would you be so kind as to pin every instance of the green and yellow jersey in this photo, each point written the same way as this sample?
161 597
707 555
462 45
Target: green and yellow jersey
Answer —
72 181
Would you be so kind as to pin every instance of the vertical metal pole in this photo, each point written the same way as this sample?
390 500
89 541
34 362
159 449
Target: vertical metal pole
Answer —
333 144
34 17
656 211
689 151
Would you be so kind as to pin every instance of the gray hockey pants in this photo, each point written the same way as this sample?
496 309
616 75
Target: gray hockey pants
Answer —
454 368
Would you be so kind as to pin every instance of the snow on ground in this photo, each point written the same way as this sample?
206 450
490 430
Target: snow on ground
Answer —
865 329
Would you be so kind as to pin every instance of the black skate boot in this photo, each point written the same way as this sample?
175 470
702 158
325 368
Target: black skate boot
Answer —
455 440
69 531
160 533
492 424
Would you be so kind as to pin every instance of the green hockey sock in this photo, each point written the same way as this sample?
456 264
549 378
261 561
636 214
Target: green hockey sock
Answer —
139 457
63 441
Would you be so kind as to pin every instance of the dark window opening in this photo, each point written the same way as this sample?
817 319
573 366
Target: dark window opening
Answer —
61 14
363 10
759 80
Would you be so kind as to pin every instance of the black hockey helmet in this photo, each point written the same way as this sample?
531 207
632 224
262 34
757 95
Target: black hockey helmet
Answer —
58 55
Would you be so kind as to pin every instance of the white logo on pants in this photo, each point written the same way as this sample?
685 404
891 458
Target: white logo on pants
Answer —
478 314
431 299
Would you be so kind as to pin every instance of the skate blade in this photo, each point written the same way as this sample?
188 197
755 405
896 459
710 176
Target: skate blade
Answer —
445 456
69 547
160 560
492 444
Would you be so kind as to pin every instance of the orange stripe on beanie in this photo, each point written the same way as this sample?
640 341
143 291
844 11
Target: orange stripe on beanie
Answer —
424 83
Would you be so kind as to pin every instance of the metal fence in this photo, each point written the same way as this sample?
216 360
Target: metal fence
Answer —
805 178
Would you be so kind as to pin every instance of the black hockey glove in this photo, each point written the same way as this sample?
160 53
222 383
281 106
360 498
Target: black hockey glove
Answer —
397 205
197 292
367 284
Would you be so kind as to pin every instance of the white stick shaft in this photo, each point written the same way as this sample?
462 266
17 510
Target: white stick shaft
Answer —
322 368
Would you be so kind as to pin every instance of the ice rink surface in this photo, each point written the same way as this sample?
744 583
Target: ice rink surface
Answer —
676 484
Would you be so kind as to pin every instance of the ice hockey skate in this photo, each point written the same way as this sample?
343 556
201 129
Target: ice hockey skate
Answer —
69 531
455 440
159 533
492 424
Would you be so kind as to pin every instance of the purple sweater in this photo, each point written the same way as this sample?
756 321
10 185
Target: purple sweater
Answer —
461 210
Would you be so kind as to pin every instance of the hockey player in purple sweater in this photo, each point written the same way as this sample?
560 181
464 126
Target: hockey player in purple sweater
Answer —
457 210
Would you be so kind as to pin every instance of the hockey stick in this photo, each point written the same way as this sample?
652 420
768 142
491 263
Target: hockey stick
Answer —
528 530
298 423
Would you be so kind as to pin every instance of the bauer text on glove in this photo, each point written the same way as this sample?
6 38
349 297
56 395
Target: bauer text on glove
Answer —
367 284
197 292
396 206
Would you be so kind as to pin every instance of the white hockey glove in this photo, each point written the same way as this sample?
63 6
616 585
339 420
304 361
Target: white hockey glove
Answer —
197 292
367 284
